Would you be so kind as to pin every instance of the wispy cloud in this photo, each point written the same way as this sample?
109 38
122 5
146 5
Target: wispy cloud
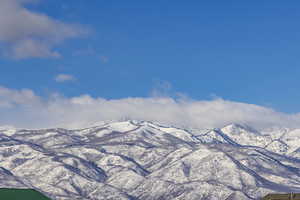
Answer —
161 89
26 34
89 51
64 78
104 59
23 108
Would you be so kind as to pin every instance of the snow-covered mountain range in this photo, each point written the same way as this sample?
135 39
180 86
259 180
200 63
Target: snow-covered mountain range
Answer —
136 160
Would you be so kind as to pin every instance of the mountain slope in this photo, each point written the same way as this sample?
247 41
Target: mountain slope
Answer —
144 160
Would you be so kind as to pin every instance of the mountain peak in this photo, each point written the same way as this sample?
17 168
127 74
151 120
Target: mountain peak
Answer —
237 128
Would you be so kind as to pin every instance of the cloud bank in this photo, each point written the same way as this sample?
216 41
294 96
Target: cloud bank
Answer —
25 33
25 109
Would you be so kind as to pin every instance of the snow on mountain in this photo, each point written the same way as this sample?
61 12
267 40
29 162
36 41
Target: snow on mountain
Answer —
137 160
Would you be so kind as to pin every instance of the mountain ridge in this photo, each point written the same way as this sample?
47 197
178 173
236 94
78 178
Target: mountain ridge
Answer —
147 160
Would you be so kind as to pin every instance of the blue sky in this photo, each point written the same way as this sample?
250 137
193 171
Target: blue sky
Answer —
241 51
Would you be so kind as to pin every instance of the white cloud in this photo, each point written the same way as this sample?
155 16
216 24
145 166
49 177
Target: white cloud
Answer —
12 98
25 33
64 77
23 108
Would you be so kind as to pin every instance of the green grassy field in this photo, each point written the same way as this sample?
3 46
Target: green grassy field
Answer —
21 194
